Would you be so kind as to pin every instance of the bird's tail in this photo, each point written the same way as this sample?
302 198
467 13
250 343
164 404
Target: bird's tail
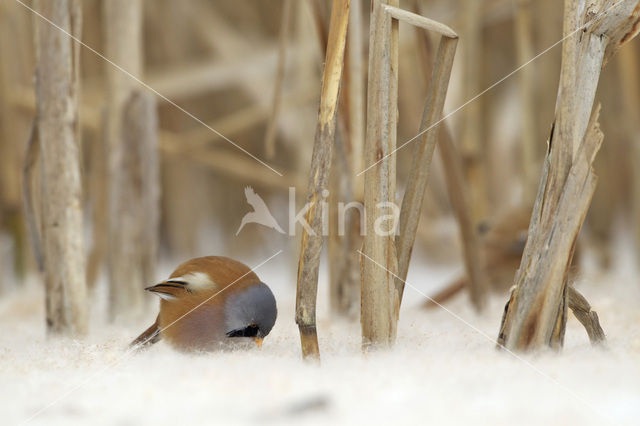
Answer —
446 293
150 336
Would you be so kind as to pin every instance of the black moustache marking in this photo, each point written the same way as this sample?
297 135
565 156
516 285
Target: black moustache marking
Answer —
250 331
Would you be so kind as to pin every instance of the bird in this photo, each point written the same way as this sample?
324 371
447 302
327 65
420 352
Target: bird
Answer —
260 213
211 303
502 242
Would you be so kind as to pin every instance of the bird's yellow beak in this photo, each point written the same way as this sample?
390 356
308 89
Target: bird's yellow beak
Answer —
258 341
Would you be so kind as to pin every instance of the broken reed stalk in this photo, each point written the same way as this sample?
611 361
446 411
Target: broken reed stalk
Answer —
587 317
459 197
311 246
536 314
526 80
383 269
580 308
276 106
56 94
123 32
380 300
412 201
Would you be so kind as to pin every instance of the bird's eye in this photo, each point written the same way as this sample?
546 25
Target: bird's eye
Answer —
250 331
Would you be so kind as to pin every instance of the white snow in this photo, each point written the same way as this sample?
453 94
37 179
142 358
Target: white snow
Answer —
440 372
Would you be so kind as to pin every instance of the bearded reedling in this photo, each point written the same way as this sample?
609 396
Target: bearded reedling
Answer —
211 303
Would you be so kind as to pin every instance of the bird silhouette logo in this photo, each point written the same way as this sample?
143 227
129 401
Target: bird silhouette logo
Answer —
260 214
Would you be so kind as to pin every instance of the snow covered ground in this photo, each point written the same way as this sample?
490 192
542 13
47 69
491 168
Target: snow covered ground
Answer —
441 371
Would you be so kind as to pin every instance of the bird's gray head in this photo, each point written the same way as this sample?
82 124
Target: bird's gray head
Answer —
251 312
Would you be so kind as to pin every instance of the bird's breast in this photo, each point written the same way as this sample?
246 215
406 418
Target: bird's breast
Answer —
199 328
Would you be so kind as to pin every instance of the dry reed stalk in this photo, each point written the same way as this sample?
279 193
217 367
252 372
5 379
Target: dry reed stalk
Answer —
380 301
30 195
341 258
587 317
184 210
192 143
345 283
628 66
503 242
344 237
548 30
356 72
239 121
525 51
460 199
344 288
349 284
196 77
437 205
414 194
536 313
311 245
231 164
384 270
123 31
340 177
320 10
454 176
237 60
581 310
272 126
139 179
98 198
305 75
12 44
461 202
56 93
473 146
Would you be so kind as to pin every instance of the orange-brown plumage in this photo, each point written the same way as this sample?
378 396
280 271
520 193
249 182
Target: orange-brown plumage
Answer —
502 243
207 301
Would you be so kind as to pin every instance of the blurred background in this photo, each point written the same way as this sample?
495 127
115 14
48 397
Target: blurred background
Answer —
225 61
159 82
